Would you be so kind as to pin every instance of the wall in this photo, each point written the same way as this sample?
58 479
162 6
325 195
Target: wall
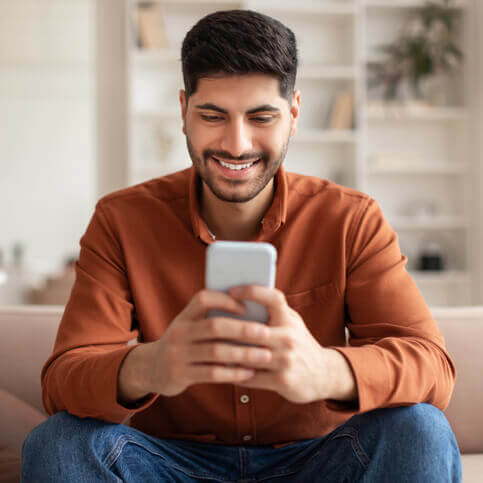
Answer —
47 127
111 97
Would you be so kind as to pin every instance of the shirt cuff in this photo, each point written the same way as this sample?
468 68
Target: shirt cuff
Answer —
136 406
369 371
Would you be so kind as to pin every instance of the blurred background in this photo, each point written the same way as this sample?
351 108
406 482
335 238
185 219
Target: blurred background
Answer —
391 105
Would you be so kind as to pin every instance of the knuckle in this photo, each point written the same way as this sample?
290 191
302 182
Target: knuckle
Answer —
202 299
214 373
289 342
216 351
287 359
250 290
248 331
214 326
243 355
279 296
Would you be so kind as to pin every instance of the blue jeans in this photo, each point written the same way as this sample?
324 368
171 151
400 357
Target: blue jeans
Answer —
402 444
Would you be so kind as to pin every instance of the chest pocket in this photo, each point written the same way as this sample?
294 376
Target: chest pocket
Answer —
310 297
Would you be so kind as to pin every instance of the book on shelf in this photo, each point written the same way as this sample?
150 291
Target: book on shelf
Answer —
342 111
151 33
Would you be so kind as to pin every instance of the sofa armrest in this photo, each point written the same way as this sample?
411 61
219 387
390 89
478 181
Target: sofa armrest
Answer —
462 329
28 335
17 419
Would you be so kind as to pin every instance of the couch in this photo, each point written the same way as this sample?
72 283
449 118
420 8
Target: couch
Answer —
28 334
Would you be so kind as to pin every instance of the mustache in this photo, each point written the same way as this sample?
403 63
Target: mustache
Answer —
208 153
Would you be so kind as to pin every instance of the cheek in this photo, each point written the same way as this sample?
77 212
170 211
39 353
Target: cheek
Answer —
201 137
273 140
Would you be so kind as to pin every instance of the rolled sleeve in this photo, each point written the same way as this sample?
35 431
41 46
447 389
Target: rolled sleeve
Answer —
81 374
396 351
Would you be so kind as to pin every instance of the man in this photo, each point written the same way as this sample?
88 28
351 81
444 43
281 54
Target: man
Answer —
296 404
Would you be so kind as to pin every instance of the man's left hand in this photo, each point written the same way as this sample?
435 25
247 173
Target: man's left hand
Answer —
299 367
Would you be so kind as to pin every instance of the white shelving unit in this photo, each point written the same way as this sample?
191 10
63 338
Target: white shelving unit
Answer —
337 39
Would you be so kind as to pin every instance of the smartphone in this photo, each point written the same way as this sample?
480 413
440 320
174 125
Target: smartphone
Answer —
232 263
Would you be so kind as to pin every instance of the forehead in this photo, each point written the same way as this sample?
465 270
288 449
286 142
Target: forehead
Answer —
239 92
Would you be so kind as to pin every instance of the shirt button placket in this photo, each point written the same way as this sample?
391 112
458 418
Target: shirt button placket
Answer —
246 425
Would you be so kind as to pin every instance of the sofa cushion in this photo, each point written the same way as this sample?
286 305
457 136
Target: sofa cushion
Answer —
462 329
472 467
28 335
10 465
17 419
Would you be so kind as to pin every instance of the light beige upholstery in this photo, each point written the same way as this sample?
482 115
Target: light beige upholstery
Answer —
28 334
463 333
27 338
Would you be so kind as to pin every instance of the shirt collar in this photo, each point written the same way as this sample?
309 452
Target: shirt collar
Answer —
274 218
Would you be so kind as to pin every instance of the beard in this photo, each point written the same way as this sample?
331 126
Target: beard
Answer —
234 190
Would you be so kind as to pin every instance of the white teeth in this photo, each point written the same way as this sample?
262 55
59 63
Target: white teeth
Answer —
234 167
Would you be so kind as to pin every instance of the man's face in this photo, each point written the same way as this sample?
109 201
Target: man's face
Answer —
241 121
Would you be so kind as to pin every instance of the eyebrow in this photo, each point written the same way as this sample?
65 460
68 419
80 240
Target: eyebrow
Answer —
214 107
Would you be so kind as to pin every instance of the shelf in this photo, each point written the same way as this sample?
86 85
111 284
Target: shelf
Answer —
428 168
393 146
323 136
393 4
444 276
400 223
155 56
306 7
171 114
414 112
154 169
193 3
326 72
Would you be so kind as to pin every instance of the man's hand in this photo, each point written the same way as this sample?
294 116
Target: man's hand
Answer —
299 369
282 356
196 350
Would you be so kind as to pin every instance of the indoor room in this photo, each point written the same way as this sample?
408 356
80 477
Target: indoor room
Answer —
111 209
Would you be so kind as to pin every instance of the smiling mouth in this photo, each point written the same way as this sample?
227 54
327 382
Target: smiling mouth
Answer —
236 166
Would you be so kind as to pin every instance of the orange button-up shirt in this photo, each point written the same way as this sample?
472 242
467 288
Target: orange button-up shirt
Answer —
339 265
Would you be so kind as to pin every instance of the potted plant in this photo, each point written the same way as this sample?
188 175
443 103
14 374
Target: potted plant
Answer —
425 49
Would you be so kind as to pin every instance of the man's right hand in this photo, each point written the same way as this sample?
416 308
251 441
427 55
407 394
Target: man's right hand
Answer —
195 349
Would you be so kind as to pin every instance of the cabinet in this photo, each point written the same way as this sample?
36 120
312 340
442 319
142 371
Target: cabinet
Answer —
417 162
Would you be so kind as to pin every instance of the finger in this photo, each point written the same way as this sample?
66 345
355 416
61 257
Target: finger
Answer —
272 298
227 328
218 374
261 380
223 353
206 300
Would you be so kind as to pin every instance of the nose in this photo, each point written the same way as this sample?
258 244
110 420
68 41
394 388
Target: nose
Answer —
236 138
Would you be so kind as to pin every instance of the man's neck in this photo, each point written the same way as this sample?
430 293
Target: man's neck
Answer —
235 221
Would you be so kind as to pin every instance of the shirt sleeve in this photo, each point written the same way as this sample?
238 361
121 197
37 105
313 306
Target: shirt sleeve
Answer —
81 374
396 351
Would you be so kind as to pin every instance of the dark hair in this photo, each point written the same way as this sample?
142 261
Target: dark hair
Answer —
237 42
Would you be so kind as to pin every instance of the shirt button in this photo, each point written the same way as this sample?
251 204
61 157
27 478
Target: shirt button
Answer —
247 437
244 398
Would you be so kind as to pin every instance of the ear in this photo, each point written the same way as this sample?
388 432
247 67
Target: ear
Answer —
183 104
294 112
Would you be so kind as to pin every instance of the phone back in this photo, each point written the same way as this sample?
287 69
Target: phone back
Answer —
229 264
